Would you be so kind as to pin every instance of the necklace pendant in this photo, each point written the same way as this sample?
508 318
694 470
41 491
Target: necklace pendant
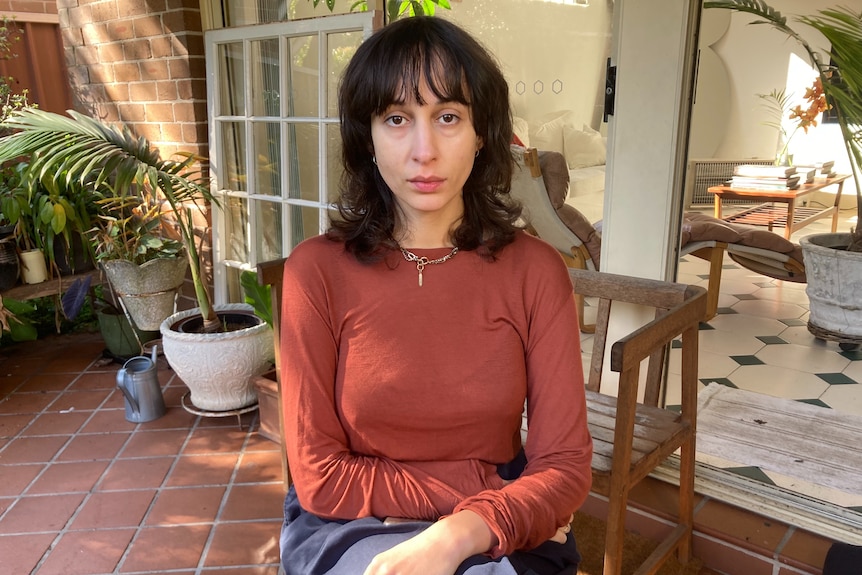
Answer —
420 278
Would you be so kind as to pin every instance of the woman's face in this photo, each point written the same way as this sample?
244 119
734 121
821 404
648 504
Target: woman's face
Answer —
425 153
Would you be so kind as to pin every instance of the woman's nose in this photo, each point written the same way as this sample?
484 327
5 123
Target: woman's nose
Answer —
424 142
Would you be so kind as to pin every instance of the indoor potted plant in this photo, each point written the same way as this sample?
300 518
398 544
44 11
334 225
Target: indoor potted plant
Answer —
119 165
833 262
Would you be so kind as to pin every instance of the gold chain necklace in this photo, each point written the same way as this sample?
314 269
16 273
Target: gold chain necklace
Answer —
422 261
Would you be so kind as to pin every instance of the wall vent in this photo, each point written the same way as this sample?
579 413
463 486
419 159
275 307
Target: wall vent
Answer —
703 174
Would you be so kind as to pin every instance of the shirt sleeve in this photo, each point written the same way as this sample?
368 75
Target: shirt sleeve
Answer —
558 476
330 480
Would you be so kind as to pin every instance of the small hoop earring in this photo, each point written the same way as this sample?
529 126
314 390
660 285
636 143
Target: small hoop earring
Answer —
477 153
374 159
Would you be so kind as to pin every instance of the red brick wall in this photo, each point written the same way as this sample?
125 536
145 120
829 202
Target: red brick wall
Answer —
140 62
29 6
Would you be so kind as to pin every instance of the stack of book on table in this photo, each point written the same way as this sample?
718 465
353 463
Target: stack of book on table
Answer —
758 177
822 170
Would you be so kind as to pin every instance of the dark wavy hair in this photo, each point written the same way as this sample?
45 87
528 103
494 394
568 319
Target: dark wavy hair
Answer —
388 68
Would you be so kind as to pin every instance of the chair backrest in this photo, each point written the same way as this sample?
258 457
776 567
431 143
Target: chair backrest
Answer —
678 308
528 188
272 273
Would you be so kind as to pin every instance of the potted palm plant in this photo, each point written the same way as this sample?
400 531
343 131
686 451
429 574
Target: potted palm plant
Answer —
122 168
833 262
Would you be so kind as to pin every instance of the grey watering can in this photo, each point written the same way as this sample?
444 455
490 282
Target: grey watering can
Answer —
139 382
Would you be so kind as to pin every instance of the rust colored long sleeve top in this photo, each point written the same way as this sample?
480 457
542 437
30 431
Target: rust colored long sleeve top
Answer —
401 400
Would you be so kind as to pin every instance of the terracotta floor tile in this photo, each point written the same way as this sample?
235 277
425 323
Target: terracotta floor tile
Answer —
159 549
136 473
12 424
805 549
108 420
9 382
152 443
257 442
186 505
249 502
32 449
40 513
21 366
203 470
739 526
114 401
86 447
87 552
55 423
71 363
215 440
259 467
174 418
106 509
16 478
47 382
80 400
19 403
79 476
236 544
95 380
21 553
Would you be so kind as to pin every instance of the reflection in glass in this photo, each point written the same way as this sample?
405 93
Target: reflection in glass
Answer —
236 216
304 222
243 12
268 222
232 86
341 47
303 152
334 168
234 171
264 70
267 150
234 288
303 56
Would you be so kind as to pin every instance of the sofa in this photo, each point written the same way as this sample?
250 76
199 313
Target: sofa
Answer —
583 147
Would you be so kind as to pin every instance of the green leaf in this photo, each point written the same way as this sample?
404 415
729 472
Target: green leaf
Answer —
258 296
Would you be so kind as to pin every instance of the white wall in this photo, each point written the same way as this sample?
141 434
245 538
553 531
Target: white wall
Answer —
758 59
552 54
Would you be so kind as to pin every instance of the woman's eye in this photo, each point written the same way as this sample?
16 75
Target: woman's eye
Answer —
395 120
448 118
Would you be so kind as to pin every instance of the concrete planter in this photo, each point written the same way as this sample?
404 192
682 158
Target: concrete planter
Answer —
834 287
148 290
219 368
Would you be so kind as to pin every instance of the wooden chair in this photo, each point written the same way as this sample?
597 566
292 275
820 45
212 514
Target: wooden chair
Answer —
272 273
632 437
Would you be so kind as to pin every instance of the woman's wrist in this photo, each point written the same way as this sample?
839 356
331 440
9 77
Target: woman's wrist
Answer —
465 533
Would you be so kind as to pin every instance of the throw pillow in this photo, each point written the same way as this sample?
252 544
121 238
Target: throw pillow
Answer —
549 133
522 130
583 148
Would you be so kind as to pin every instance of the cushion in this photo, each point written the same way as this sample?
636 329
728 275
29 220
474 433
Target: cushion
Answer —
583 148
555 174
522 130
585 231
548 134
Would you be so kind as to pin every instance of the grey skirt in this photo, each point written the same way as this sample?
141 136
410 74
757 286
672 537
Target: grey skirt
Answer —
311 545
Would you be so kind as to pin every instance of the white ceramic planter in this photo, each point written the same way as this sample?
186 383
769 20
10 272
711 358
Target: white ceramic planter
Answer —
218 368
33 267
834 285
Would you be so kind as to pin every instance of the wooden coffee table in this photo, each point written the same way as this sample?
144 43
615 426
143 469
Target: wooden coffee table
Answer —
779 207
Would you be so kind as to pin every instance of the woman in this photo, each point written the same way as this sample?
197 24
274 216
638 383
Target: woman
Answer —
417 327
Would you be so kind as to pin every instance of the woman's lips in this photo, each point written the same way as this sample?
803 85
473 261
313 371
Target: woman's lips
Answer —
426 184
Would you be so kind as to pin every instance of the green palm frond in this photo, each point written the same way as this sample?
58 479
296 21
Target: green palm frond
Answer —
77 150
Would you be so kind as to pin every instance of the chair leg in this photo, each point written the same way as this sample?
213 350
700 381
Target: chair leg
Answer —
614 534
686 499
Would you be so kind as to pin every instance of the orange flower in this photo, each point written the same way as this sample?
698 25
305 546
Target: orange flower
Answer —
817 104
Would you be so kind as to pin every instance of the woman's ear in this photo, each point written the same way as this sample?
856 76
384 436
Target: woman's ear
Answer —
479 143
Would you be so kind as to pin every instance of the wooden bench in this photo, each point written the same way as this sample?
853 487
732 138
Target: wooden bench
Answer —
631 436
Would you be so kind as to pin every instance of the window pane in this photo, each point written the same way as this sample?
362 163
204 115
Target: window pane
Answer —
304 158
304 224
236 215
264 71
304 57
334 168
267 150
341 47
235 173
245 12
268 221
232 87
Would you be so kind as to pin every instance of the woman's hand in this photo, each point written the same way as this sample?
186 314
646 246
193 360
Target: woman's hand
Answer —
438 550
562 532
